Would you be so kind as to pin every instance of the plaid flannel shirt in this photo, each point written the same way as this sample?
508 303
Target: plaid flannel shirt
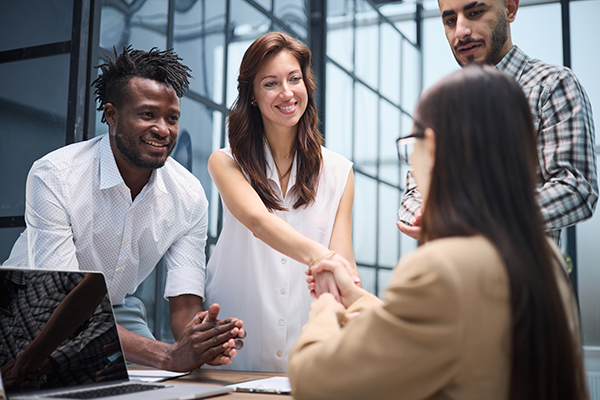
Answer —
567 183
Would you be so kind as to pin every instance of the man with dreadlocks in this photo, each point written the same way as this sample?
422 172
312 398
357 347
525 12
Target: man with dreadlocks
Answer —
118 203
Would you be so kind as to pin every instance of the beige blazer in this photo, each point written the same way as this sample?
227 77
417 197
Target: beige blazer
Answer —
443 332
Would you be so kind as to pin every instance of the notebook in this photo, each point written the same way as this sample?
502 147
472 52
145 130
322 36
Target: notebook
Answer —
68 316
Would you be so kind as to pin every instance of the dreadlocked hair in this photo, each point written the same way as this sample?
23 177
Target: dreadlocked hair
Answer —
161 66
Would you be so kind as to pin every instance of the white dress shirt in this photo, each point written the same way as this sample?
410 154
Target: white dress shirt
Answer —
264 287
80 215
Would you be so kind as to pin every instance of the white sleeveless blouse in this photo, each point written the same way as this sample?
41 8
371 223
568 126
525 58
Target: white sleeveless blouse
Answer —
263 287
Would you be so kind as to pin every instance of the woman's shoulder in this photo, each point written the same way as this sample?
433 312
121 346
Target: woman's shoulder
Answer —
445 274
335 163
454 258
220 156
331 156
225 150
457 247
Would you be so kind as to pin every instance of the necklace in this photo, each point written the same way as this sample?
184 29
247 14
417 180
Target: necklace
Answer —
286 172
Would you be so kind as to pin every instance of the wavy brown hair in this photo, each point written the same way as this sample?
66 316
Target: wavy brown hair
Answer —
483 183
246 130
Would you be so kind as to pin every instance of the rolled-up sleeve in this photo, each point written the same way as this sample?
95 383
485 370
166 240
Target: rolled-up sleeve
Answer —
185 259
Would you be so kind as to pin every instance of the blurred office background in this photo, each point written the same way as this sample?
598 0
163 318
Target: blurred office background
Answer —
372 58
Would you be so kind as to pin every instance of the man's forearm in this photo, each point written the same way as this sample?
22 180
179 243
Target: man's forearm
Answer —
563 205
145 351
183 309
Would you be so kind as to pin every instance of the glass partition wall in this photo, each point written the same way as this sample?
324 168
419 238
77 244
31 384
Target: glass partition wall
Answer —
373 78
371 57
371 81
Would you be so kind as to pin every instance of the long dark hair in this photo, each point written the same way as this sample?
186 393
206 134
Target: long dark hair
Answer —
483 182
246 131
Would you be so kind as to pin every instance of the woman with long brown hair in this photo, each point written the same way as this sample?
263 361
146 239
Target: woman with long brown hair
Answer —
483 310
287 201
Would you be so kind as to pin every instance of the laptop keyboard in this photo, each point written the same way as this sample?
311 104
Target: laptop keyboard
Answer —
108 391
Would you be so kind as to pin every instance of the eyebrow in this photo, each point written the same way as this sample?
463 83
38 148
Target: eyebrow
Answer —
150 107
146 106
465 8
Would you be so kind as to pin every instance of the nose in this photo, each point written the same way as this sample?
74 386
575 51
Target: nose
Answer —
286 91
161 128
463 27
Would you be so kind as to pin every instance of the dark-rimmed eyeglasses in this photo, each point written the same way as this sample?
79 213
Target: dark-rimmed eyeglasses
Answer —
406 145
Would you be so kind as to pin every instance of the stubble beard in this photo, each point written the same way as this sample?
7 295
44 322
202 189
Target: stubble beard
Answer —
498 38
133 156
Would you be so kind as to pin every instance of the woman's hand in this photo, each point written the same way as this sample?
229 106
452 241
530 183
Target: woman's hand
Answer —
347 286
324 282
325 302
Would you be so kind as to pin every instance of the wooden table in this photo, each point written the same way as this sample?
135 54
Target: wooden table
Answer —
228 377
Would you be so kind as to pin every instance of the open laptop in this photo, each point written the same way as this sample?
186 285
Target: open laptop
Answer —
85 357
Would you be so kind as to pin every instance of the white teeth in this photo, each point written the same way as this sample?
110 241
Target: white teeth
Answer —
287 108
154 143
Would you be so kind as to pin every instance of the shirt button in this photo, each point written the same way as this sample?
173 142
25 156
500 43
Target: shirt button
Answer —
119 270
283 260
282 291
279 354
125 241
281 322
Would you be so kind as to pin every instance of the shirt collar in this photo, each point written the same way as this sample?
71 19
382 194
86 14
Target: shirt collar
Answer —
513 63
110 175
157 178
109 172
272 169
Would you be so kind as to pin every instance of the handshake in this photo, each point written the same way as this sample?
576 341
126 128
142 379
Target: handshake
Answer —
331 278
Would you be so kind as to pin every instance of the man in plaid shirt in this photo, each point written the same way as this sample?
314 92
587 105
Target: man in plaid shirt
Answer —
479 32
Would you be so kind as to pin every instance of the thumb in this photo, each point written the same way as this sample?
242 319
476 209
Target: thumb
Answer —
212 313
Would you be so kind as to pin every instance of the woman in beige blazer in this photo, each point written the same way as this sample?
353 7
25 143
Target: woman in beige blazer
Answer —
483 310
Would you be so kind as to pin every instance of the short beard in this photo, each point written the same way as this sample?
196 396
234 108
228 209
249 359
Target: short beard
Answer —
134 158
498 38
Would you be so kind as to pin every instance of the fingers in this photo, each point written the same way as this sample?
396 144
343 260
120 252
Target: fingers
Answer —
238 344
225 358
112 347
412 231
227 335
325 283
242 333
342 277
219 360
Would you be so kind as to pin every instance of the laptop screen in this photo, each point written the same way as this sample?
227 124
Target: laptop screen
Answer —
57 330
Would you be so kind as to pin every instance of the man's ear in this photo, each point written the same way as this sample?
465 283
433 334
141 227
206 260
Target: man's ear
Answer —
511 7
110 114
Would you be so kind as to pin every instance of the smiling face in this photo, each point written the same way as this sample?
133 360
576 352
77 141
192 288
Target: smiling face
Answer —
280 92
144 128
478 31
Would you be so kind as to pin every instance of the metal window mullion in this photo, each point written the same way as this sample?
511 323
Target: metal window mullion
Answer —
76 107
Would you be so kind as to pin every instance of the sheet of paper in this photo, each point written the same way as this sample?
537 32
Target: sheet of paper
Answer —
277 384
153 375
